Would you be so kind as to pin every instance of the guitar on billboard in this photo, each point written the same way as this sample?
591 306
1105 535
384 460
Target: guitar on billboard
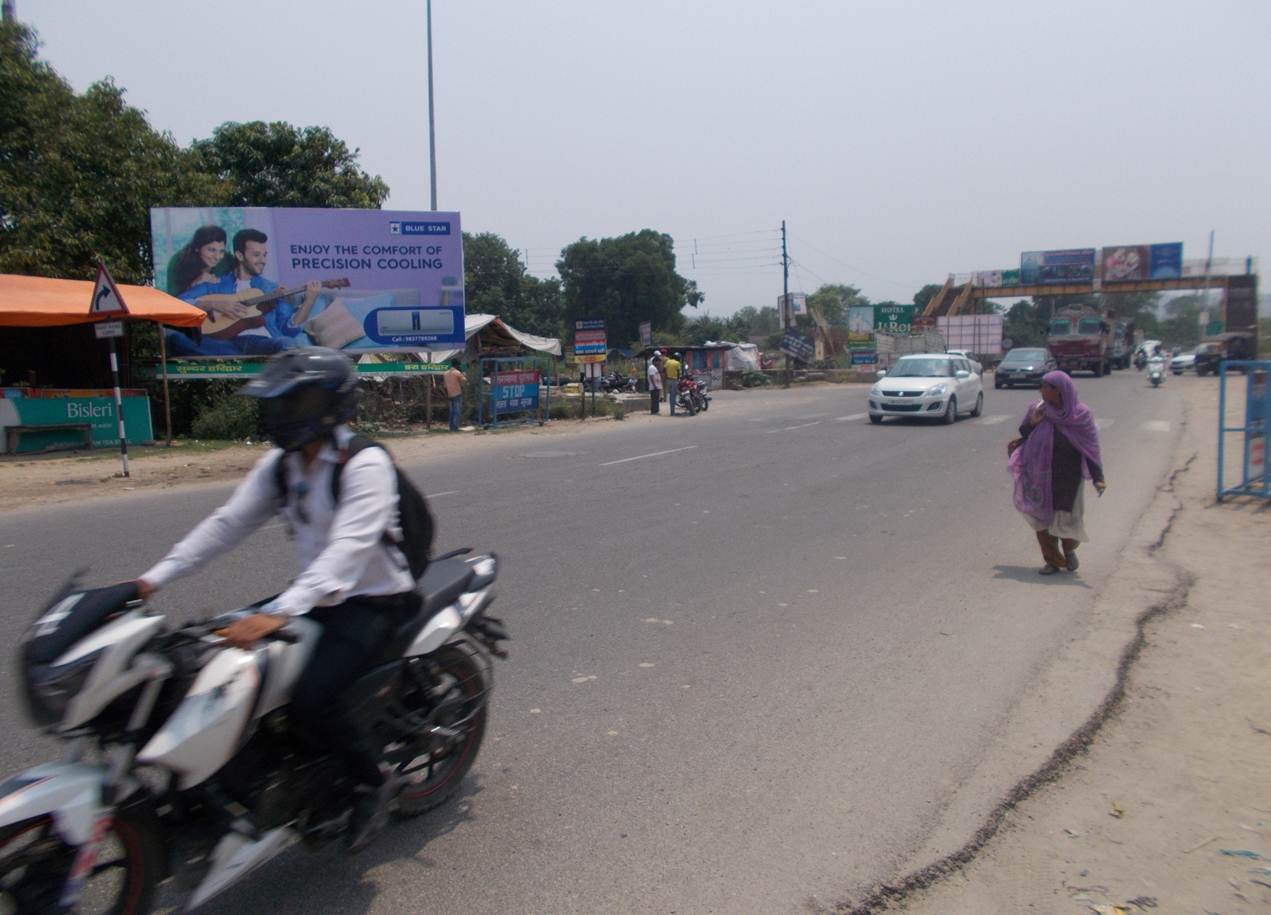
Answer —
222 327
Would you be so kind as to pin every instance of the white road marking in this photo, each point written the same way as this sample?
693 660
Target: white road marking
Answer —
448 492
640 457
994 420
852 418
1156 425
791 428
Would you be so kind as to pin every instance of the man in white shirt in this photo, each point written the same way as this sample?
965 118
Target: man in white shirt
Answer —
353 580
654 374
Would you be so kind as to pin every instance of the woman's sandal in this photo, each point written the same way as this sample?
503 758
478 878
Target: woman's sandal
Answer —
1073 562
1047 569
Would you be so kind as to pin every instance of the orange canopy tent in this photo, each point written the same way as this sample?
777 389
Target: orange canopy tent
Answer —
37 301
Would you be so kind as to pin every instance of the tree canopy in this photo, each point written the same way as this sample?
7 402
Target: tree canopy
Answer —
495 282
80 172
279 165
624 281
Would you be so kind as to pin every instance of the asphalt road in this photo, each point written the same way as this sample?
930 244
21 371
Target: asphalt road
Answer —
755 651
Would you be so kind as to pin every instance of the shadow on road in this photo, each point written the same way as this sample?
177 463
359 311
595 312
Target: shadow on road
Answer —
331 880
1029 574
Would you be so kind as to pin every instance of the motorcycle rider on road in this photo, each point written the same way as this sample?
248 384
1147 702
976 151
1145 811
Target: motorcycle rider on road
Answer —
353 581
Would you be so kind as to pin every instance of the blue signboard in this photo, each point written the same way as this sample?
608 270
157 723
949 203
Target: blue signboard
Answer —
798 346
1071 265
1167 261
864 357
514 392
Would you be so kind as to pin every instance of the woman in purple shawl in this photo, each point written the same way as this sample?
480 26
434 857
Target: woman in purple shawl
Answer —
1059 451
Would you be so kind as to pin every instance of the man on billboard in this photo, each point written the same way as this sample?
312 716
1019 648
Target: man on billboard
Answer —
236 325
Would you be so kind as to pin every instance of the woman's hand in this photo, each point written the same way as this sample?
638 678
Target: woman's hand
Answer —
1100 486
1036 415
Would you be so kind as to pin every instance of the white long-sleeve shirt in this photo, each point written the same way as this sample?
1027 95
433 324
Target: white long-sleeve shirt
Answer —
340 549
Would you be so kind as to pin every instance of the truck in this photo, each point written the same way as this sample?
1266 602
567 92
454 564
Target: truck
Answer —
1124 340
1080 339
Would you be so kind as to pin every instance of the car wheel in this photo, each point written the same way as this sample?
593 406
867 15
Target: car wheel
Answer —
979 404
951 412
875 419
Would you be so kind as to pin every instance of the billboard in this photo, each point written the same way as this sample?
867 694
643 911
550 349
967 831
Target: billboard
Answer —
274 278
1070 265
894 319
979 334
860 327
1124 263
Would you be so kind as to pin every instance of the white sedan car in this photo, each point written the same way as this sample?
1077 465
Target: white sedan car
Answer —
927 386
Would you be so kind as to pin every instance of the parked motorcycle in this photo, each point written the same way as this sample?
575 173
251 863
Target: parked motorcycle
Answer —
693 394
180 762
613 383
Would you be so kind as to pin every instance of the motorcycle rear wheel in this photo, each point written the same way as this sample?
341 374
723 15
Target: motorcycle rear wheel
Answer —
35 864
432 779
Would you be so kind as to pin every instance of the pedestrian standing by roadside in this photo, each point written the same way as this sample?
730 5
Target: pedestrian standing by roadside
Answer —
654 374
671 368
1057 450
453 381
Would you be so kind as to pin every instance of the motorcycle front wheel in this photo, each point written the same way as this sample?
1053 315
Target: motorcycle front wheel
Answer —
433 778
35 864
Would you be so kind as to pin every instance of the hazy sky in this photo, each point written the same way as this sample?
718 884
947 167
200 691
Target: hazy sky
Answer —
901 141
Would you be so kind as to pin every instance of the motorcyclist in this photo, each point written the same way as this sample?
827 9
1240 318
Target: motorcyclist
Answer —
353 581
1156 365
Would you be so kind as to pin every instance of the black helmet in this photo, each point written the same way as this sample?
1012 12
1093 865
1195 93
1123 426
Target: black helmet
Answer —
304 394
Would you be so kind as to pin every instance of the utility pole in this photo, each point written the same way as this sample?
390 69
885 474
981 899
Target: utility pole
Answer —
785 297
432 127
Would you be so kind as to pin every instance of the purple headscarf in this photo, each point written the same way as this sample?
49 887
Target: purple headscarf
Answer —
1030 464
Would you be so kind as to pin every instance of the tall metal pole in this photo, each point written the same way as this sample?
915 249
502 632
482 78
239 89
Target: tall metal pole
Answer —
119 406
432 127
785 296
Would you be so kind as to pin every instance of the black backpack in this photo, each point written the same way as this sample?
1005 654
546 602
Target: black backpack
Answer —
413 515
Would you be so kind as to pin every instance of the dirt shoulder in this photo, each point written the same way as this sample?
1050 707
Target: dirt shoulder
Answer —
1163 804
56 478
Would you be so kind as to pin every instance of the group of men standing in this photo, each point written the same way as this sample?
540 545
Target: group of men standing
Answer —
664 380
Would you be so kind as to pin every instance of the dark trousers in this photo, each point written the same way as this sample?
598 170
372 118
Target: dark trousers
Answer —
654 400
352 634
1051 553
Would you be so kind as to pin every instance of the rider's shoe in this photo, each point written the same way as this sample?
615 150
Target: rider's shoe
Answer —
371 807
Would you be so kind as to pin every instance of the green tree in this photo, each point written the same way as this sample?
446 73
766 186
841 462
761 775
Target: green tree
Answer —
495 282
280 165
1025 325
78 173
832 301
492 273
625 281
925 295
754 322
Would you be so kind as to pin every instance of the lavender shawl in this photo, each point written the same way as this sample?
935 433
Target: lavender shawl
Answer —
1030 464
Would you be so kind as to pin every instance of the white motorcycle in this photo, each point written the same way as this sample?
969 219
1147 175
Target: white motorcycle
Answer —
180 762
1156 371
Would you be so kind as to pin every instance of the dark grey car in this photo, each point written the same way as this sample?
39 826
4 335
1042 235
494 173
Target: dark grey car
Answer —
1024 365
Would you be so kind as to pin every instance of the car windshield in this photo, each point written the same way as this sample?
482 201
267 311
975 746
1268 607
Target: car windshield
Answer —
1025 355
922 368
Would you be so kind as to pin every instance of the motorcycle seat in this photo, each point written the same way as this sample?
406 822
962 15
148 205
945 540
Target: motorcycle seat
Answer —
439 586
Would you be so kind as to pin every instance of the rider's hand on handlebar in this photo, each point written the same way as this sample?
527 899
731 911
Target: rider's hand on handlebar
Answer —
144 589
249 630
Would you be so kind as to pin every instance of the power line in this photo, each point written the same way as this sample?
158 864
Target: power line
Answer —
851 266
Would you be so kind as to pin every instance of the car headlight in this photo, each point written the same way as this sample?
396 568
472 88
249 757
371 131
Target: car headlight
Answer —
937 389
875 391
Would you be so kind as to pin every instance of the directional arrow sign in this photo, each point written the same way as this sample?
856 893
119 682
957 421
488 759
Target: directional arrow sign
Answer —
106 297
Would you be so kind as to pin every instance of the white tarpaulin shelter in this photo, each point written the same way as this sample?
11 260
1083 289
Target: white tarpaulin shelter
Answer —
474 324
742 357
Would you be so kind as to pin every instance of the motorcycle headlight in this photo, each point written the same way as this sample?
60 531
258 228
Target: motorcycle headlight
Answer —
51 687
937 389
